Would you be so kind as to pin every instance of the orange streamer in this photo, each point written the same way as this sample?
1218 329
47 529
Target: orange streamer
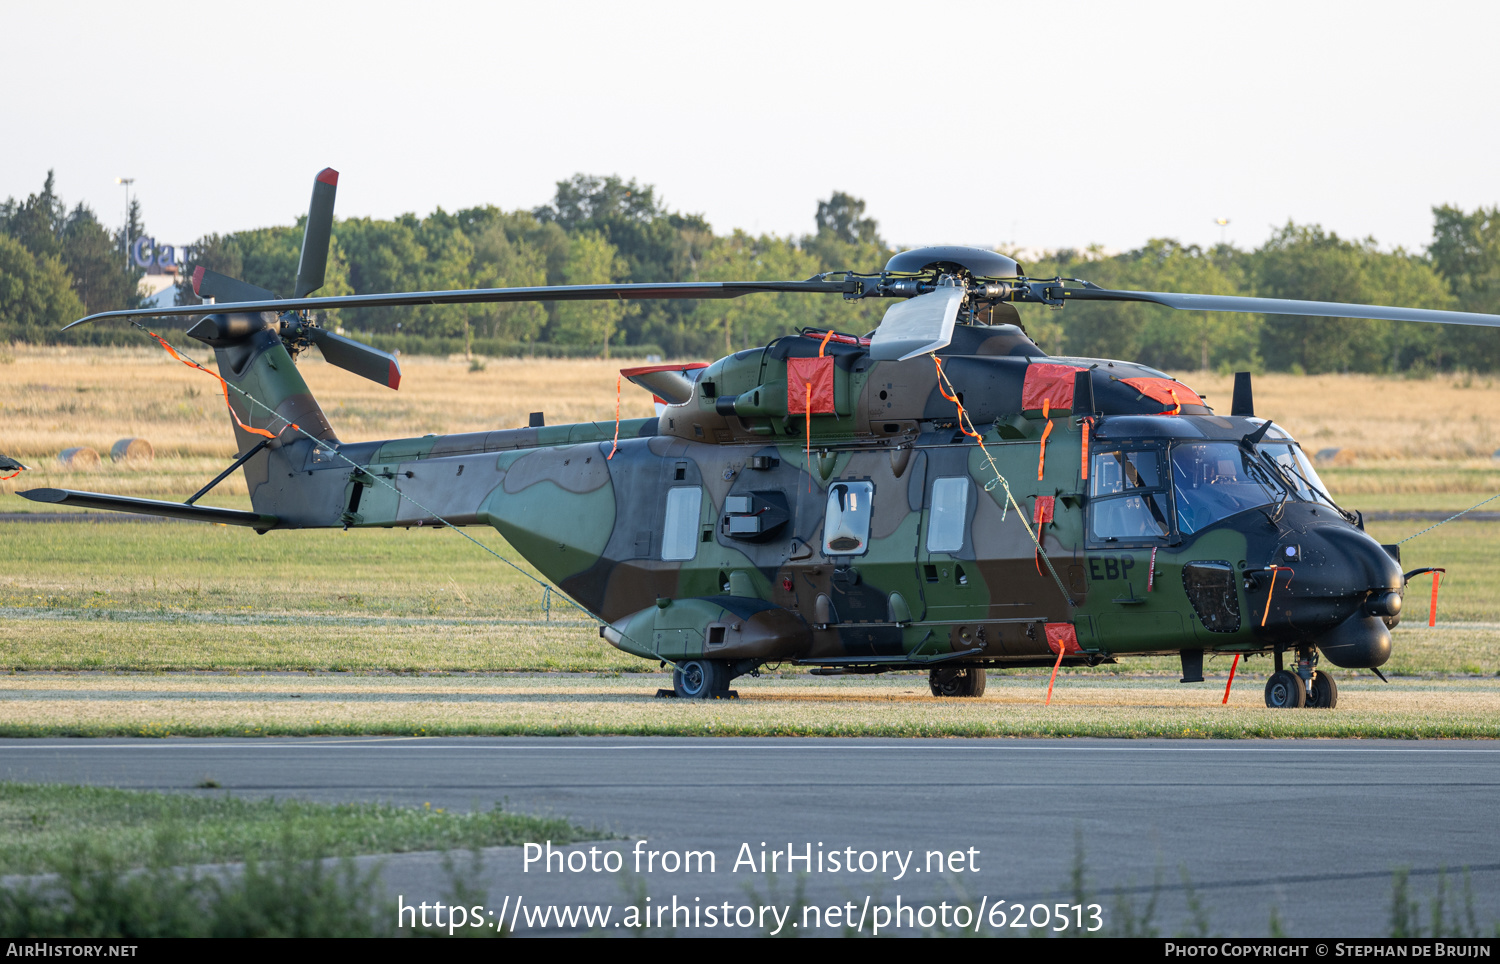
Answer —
964 425
1232 666
1084 425
1432 609
17 472
1275 570
222 384
807 423
807 412
616 446
1055 666
1041 458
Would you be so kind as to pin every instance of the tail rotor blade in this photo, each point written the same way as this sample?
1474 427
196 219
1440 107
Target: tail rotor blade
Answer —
357 357
222 288
314 263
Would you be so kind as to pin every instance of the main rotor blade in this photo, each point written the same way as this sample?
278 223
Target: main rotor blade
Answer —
472 296
915 327
356 357
1280 306
313 264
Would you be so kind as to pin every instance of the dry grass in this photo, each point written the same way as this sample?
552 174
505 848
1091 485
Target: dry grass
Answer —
56 398
890 706
52 398
1380 418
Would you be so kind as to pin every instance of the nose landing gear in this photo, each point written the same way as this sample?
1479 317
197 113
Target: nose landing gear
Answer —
1307 687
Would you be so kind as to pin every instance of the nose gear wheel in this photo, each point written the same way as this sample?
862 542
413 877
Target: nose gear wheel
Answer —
1323 694
1284 690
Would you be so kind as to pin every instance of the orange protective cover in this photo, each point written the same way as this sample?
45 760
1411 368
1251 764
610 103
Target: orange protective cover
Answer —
1053 382
1161 390
802 372
1063 635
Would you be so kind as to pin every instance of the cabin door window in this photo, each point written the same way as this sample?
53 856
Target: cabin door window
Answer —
679 534
950 514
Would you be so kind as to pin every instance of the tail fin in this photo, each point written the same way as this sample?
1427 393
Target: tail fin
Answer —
272 398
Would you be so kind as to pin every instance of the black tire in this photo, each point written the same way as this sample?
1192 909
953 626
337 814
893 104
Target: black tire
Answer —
1285 691
1323 694
699 679
956 681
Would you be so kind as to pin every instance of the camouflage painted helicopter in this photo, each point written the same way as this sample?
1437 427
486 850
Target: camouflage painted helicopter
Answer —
940 494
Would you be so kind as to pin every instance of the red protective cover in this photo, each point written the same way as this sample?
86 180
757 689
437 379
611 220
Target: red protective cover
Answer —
678 367
1042 514
817 372
1063 635
1161 390
1054 382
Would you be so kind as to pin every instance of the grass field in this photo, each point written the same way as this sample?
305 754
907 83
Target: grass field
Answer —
155 597
178 596
897 705
41 825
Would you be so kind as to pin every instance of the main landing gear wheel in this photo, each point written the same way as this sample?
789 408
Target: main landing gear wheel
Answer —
699 679
1323 694
956 681
1284 690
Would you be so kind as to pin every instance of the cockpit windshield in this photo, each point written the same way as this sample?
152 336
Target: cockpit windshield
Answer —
1132 500
1212 480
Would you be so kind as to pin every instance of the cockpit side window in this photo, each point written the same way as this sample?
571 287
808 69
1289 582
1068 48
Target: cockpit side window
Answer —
1299 471
1128 502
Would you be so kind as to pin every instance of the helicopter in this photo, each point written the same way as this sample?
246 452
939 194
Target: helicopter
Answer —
939 494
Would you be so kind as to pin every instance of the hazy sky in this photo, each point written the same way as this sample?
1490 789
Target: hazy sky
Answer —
1038 124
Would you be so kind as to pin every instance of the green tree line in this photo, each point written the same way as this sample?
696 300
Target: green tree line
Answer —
56 263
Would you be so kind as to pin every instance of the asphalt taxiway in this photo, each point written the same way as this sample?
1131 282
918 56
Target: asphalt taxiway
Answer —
1313 829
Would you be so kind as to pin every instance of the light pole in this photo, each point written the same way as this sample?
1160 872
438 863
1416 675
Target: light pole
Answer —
1222 223
125 231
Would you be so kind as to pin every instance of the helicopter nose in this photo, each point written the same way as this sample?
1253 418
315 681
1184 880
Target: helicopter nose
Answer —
1351 593
1337 572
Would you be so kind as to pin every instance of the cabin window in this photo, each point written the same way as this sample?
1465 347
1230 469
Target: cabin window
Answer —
846 525
1129 503
679 534
950 511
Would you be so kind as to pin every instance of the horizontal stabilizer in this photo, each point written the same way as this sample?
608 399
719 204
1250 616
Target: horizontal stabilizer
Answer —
172 510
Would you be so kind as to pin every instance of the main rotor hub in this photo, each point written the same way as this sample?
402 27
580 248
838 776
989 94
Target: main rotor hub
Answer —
954 259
